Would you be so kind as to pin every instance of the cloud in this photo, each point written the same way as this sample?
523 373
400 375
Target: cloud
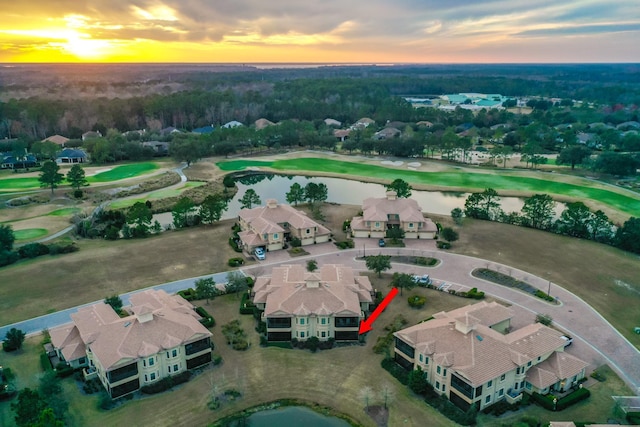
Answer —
580 30
383 26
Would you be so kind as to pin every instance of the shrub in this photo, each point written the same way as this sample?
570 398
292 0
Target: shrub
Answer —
166 383
250 282
544 295
246 305
571 399
345 244
63 370
228 181
63 248
235 262
207 320
105 402
33 250
8 257
78 194
216 359
188 294
295 242
234 244
474 294
545 319
416 301
312 344
44 362
443 245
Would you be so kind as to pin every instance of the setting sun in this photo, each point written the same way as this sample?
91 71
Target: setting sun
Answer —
85 48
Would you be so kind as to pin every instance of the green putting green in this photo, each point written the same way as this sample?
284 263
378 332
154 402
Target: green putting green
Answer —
18 184
64 211
501 180
30 233
123 172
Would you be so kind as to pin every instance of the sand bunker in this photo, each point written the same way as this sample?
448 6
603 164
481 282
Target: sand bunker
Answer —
392 163
414 164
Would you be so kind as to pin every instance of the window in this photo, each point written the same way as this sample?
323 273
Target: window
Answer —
176 368
174 353
144 362
528 386
488 399
502 377
151 361
323 321
302 321
146 378
539 357
82 360
444 372
377 224
421 358
438 370
169 369
518 370
437 385
301 334
308 231
153 376
444 387
324 334
501 392
426 360
410 225
521 384
275 235
528 363
490 383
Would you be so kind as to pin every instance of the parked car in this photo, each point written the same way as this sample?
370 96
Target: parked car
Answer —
259 252
424 280
381 243
567 340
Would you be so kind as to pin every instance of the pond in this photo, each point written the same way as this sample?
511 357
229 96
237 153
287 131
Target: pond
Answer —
293 416
344 191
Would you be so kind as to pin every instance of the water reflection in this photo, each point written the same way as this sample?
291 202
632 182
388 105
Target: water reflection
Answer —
350 192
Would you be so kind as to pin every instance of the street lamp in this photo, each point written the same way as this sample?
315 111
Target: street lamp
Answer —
549 290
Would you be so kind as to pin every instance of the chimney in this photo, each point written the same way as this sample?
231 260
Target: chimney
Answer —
392 195
272 203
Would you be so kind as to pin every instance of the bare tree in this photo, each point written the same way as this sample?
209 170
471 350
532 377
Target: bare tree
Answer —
387 394
366 394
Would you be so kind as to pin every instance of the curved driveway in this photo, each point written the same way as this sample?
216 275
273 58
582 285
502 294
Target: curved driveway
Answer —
593 333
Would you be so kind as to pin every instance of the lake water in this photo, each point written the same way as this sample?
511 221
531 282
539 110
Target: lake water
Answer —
293 416
349 192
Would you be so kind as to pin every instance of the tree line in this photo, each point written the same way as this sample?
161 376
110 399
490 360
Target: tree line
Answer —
576 220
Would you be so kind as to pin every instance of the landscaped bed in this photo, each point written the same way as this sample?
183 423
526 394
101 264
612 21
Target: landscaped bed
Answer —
504 280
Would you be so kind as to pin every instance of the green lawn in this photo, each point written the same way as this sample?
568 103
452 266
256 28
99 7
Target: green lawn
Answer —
124 172
30 233
505 180
117 173
64 211
18 184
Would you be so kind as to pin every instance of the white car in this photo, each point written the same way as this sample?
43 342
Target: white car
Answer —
259 252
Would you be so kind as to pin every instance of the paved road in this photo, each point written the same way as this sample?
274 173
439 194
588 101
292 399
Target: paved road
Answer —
593 334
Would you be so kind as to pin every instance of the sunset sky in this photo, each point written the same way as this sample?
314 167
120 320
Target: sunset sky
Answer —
334 31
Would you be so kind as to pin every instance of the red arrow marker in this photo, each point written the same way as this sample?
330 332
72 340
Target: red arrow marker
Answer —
366 325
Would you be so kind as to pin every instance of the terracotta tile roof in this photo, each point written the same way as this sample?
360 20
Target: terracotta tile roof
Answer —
67 339
291 290
487 314
379 209
559 366
268 219
482 354
57 139
162 321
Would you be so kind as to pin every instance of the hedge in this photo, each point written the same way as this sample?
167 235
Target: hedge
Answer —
571 399
633 418
166 383
246 305
396 370
188 294
235 262
207 320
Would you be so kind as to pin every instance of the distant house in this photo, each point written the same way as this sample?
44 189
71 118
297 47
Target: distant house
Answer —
387 133
332 122
363 123
425 123
160 148
270 226
263 123
71 155
341 134
161 337
380 214
10 161
204 130
232 124
168 131
91 134
57 139
472 357
328 303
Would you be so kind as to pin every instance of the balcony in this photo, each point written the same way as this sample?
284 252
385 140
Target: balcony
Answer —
89 373
513 396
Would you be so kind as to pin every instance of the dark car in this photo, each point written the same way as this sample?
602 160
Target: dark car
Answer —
381 243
